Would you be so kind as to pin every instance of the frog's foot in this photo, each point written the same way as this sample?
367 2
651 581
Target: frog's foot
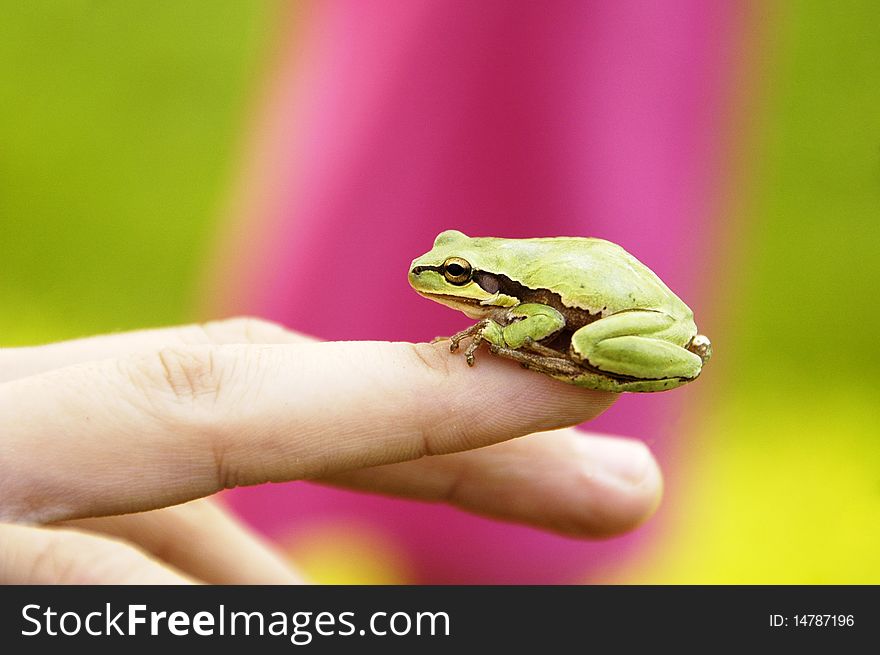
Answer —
521 327
551 365
475 332
457 338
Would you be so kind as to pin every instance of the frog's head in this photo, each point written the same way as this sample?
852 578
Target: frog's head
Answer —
453 271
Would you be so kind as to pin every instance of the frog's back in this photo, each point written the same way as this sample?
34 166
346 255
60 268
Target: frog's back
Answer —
588 273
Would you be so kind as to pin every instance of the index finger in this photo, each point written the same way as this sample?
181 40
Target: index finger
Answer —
160 428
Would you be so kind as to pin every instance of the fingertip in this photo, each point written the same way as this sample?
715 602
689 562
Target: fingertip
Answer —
623 481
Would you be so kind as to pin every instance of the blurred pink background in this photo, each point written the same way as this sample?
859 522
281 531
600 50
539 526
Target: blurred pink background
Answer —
386 123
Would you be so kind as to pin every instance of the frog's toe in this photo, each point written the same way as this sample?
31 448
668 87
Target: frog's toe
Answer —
701 346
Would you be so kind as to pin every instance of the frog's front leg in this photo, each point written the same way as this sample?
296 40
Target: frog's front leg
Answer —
522 325
645 345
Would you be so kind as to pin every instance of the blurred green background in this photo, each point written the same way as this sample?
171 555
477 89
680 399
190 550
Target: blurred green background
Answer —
118 128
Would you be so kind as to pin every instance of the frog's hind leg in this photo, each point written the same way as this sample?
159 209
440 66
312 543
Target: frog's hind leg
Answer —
638 345
556 366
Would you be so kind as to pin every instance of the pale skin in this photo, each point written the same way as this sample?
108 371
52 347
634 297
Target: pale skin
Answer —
111 446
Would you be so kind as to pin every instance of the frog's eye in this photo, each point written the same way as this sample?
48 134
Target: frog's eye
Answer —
457 271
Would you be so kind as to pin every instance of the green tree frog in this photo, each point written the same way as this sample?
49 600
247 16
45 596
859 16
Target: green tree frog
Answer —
581 310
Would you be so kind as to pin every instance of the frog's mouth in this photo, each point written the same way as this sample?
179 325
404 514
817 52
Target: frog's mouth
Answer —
471 307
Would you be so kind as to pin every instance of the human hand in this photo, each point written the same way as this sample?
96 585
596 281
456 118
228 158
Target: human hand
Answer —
110 445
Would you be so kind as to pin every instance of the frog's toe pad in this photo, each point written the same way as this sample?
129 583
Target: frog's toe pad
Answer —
701 346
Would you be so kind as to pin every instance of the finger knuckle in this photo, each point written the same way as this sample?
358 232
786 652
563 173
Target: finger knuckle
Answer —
61 558
199 391
49 560
186 377
70 557
189 374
